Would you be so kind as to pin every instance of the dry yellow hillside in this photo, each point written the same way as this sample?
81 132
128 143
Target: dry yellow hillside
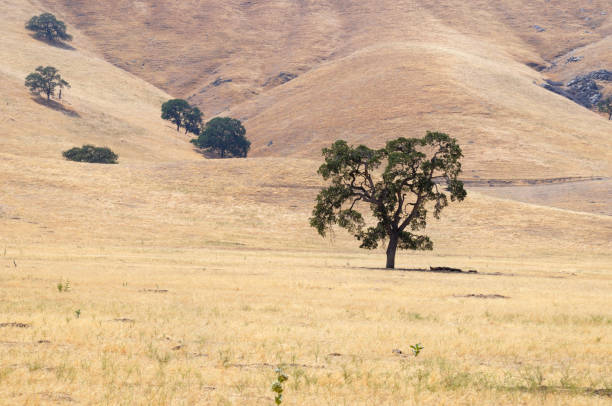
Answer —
371 71
104 106
191 279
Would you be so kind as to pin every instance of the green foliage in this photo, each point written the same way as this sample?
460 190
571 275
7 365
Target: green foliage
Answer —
63 286
397 183
416 349
277 387
91 154
225 136
180 113
193 121
77 313
45 80
605 106
47 27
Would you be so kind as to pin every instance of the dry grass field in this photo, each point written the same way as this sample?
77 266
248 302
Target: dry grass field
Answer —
191 279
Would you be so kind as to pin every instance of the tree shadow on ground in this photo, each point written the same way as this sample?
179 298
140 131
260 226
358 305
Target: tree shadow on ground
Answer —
56 44
442 269
52 104
207 153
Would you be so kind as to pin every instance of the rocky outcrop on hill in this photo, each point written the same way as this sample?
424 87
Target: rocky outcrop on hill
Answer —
582 89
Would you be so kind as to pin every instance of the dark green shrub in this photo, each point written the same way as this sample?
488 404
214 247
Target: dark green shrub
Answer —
91 154
47 27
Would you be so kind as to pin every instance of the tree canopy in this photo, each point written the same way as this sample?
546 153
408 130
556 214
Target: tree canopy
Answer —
44 81
91 154
398 183
47 27
192 121
225 136
182 114
605 106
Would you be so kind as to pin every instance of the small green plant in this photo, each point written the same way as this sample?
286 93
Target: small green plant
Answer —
63 286
77 313
277 387
416 349
91 154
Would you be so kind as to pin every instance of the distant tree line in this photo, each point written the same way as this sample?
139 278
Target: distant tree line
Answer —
224 136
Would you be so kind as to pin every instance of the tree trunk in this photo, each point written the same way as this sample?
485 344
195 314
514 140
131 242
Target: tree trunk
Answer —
391 248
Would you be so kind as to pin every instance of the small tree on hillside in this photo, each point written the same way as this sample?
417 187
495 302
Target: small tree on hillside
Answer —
47 27
193 121
174 111
605 106
91 154
225 136
45 80
396 183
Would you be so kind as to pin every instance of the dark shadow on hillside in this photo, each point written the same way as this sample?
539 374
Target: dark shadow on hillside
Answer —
52 104
207 154
60 45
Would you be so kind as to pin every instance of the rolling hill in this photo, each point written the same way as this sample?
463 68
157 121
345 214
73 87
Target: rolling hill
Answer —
303 73
172 278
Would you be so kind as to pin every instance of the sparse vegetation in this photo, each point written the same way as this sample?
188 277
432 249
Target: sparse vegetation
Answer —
44 81
416 349
47 27
225 136
182 114
91 154
63 286
277 387
398 198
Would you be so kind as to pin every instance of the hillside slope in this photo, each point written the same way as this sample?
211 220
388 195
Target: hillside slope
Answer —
164 194
301 74
104 106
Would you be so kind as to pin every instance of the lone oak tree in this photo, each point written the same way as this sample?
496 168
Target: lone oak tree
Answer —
45 80
48 27
398 195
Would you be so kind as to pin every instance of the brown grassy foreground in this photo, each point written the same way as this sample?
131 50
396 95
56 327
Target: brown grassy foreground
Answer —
208 326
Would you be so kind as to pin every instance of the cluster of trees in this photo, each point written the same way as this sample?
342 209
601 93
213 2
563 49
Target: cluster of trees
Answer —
398 183
223 135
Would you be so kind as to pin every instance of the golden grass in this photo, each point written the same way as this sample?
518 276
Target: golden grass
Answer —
373 70
230 316
193 279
